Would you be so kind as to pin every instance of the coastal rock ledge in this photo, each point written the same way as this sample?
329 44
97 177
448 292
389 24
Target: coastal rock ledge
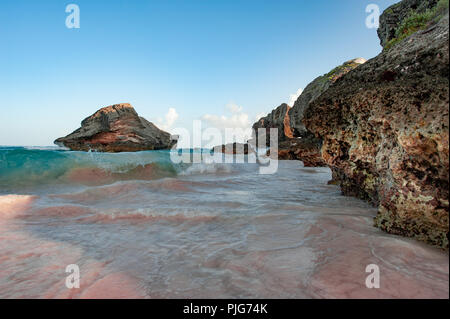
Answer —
117 128
385 134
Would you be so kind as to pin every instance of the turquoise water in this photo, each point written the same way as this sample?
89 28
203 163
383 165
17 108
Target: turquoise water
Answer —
31 167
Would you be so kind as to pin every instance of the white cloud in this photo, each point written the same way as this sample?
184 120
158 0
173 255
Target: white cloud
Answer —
169 120
234 108
237 120
294 97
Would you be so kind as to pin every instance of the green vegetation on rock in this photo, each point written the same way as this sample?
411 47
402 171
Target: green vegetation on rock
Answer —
341 70
418 21
391 8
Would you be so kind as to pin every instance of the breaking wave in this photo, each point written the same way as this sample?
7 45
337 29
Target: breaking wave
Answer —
20 166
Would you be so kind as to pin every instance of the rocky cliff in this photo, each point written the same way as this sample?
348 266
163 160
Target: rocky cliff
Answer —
279 119
385 130
116 128
295 141
314 90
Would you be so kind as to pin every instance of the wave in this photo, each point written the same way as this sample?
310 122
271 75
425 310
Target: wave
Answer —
35 167
207 168
20 166
153 215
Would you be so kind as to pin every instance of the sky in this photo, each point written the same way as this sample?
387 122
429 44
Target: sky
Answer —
225 63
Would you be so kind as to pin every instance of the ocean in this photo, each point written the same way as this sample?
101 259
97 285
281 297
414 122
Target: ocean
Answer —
139 226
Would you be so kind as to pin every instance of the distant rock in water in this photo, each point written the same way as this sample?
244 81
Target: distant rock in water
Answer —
233 148
117 128
385 132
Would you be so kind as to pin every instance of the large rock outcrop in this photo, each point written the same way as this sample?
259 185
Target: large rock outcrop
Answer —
385 133
279 119
295 141
314 90
116 128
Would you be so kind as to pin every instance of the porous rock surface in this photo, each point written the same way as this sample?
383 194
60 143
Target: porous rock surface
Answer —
385 134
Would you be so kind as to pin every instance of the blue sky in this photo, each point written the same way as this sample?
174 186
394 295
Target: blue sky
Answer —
195 56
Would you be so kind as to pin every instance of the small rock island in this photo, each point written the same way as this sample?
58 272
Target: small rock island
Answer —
117 128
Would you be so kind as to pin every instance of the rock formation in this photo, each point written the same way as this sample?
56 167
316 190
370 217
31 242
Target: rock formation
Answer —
117 128
305 149
385 131
392 17
314 90
233 148
295 141
279 119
